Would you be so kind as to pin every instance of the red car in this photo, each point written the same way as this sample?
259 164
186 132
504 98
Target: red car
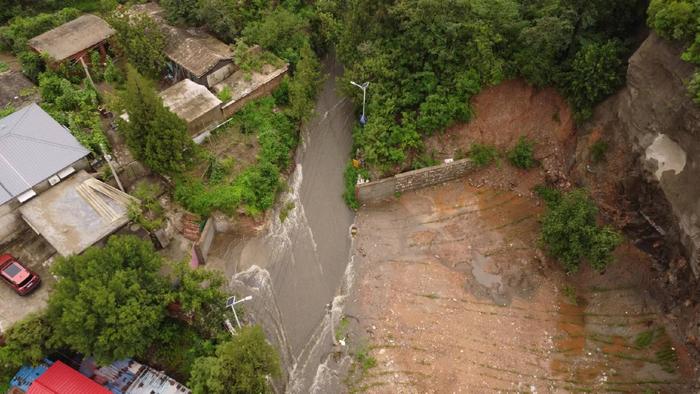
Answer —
19 277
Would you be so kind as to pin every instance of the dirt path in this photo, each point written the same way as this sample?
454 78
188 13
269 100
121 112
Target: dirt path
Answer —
451 296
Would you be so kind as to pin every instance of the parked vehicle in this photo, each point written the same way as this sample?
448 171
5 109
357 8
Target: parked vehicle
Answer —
20 278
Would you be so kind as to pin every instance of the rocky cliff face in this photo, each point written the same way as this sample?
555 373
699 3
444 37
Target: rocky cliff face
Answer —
649 182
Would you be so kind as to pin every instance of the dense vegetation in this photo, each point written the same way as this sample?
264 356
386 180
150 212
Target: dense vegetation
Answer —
114 302
570 232
255 189
680 20
425 59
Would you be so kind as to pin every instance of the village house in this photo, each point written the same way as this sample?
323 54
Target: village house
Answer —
74 40
192 53
35 153
43 184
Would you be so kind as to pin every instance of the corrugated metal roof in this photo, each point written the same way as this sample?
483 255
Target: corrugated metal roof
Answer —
62 379
33 147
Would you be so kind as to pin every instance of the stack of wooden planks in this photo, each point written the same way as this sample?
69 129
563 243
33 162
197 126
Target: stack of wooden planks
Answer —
92 191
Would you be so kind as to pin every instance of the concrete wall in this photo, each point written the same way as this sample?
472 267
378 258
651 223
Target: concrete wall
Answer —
412 180
203 244
211 118
232 107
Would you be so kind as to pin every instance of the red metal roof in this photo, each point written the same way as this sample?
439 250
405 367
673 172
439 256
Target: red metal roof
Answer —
62 379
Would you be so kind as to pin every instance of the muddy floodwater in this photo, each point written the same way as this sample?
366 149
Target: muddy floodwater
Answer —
296 266
452 294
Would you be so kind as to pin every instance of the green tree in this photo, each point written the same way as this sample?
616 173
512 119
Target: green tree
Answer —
304 84
142 41
155 135
179 11
199 292
228 18
674 19
543 46
282 31
241 366
596 72
109 302
570 232
26 342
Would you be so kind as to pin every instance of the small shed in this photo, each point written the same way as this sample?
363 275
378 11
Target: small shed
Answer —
194 104
74 39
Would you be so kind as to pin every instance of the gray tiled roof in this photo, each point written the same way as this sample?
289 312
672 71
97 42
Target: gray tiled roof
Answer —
33 147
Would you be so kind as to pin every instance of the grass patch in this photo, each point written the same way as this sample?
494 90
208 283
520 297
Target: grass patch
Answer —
225 94
646 338
342 329
365 360
667 358
6 111
284 212
4 67
483 155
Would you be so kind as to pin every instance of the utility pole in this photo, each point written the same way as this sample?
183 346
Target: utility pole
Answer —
364 86
231 302
111 167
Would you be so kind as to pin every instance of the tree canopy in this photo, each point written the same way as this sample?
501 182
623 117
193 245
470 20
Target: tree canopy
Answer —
109 302
240 366
142 41
155 135
426 58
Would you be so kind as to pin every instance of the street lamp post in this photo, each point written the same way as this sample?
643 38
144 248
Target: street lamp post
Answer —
231 302
363 118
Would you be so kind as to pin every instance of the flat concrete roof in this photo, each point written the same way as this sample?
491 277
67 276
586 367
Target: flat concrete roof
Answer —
189 100
71 38
243 83
67 221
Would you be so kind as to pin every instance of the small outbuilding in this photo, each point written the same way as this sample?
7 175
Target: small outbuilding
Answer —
194 104
73 40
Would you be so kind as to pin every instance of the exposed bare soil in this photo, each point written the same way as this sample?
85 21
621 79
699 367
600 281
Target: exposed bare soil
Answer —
504 113
454 296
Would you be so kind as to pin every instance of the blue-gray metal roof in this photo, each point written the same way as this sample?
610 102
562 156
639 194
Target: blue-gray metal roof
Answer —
33 147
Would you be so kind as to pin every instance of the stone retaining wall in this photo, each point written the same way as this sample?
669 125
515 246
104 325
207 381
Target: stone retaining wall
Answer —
412 180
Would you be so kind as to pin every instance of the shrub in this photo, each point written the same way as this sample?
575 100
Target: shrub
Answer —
351 176
482 155
598 151
112 73
522 155
3 67
570 232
